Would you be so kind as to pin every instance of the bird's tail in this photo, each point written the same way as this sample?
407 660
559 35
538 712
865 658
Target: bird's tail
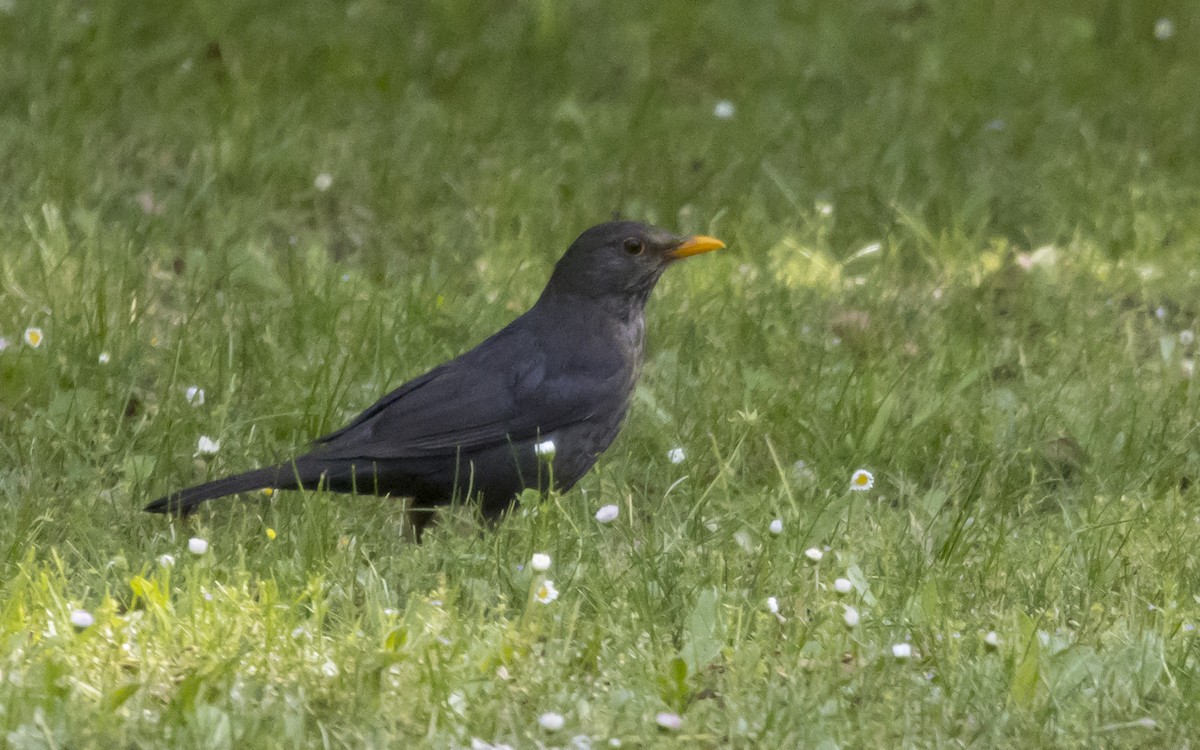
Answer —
282 476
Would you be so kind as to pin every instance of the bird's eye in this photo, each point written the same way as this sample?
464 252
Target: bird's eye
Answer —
633 246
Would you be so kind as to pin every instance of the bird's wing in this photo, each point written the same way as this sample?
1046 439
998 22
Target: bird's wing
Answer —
507 389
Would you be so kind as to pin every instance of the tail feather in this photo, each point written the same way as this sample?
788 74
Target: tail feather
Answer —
184 502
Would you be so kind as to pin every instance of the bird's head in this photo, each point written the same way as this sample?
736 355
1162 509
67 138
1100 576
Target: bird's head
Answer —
622 260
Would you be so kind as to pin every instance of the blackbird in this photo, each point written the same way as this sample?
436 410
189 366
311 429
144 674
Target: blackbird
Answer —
539 400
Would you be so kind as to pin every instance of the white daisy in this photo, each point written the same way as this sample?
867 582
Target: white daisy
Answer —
546 592
676 455
34 336
104 358
608 513
814 554
776 526
902 650
850 617
194 395
323 181
842 585
862 480
197 546
206 446
540 562
545 448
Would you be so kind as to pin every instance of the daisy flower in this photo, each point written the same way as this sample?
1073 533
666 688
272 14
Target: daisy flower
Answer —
608 513
546 592
540 562
842 585
814 554
862 480
676 455
81 618
104 358
776 526
197 546
194 395
323 181
850 617
902 650
34 336
206 446
545 448
724 110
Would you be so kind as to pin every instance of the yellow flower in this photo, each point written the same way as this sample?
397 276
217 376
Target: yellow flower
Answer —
270 533
34 336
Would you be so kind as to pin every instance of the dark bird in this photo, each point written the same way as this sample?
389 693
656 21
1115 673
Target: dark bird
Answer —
542 398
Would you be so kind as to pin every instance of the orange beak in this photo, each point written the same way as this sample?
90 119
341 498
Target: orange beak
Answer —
695 246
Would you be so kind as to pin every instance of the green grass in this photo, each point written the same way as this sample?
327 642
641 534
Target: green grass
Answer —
1033 433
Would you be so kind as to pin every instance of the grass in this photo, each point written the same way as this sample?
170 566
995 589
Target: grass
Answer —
962 242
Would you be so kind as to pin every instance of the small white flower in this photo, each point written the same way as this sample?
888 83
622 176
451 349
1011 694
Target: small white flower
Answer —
329 669
772 605
206 446
825 208
197 546
842 585
551 721
1186 337
862 480
546 592
776 526
850 617
1164 29
724 110
1161 313
608 513
992 639
540 562
323 181
902 650
34 336
166 561
545 448
194 395
458 703
676 455
814 554
668 720
81 618
4 343
104 358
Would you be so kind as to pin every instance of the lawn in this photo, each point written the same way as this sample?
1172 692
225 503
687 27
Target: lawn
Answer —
963 243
